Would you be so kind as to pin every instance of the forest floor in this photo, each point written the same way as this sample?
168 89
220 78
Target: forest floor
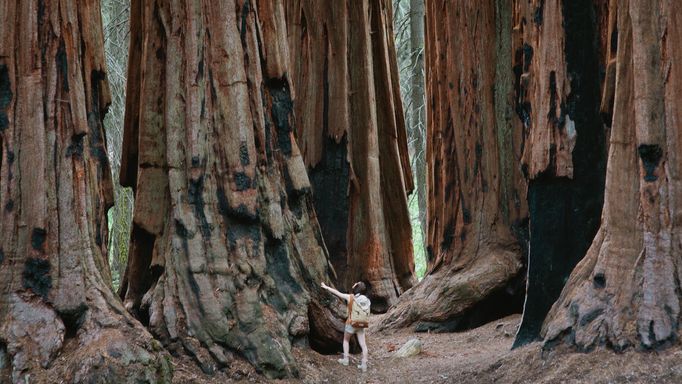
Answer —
481 355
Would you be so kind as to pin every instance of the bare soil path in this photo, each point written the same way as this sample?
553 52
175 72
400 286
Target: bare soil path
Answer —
481 355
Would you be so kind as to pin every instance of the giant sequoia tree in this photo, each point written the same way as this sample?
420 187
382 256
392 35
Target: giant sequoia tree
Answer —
557 99
626 291
226 254
55 189
476 194
351 130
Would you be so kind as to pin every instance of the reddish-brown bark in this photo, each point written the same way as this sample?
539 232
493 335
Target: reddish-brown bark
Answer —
626 291
475 188
350 126
226 255
55 189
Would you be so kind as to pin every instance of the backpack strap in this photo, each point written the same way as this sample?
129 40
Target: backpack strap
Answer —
351 299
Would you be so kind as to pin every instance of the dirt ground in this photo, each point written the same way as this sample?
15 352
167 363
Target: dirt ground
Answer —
481 355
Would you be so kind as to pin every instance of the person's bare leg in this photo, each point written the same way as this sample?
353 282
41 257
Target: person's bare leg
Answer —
346 340
363 345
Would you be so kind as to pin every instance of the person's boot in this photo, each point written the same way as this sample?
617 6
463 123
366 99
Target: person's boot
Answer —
344 361
363 366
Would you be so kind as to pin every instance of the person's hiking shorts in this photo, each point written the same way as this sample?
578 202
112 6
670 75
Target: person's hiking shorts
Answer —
352 330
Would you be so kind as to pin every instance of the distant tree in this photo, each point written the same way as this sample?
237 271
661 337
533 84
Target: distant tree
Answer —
226 253
411 70
115 14
351 129
417 106
56 300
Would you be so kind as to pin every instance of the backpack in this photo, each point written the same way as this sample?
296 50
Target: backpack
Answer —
358 312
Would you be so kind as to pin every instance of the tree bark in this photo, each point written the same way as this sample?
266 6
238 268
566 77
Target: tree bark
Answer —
626 291
351 129
558 83
476 194
226 252
56 301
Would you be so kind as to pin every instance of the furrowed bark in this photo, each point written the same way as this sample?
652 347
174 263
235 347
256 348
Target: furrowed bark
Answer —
476 193
56 301
557 66
350 126
626 291
226 254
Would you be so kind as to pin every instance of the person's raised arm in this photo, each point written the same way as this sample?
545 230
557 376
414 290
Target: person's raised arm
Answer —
343 296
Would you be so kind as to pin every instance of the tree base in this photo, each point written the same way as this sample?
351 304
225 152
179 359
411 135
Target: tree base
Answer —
327 326
608 299
442 301
92 346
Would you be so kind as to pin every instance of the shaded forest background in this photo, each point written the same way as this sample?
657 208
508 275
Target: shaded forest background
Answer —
408 20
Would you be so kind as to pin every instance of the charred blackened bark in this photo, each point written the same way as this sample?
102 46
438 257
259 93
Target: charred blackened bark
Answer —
475 188
564 155
626 291
227 255
55 190
350 126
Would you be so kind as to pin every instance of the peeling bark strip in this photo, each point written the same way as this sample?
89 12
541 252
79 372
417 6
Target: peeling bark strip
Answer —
54 277
626 291
564 148
544 87
226 254
351 129
476 193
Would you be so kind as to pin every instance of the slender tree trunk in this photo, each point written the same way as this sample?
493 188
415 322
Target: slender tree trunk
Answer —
350 126
418 107
626 291
115 15
226 254
558 83
55 189
475 192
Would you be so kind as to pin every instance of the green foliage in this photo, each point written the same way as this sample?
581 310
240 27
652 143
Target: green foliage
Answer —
115 16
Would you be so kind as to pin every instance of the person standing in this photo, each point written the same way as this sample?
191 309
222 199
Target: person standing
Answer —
358 319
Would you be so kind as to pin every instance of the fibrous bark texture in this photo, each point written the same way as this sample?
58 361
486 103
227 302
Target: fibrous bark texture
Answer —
626 291
557 100
226 254
476 193
351 131
55 189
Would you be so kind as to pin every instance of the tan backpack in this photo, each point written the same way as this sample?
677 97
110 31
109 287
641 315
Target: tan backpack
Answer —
357 317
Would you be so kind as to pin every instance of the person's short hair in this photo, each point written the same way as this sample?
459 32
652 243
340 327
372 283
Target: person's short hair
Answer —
359 288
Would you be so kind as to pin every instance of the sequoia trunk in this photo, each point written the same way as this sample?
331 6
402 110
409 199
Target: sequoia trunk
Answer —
226 254
351 130
475 189
55 190
626 291
557 99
